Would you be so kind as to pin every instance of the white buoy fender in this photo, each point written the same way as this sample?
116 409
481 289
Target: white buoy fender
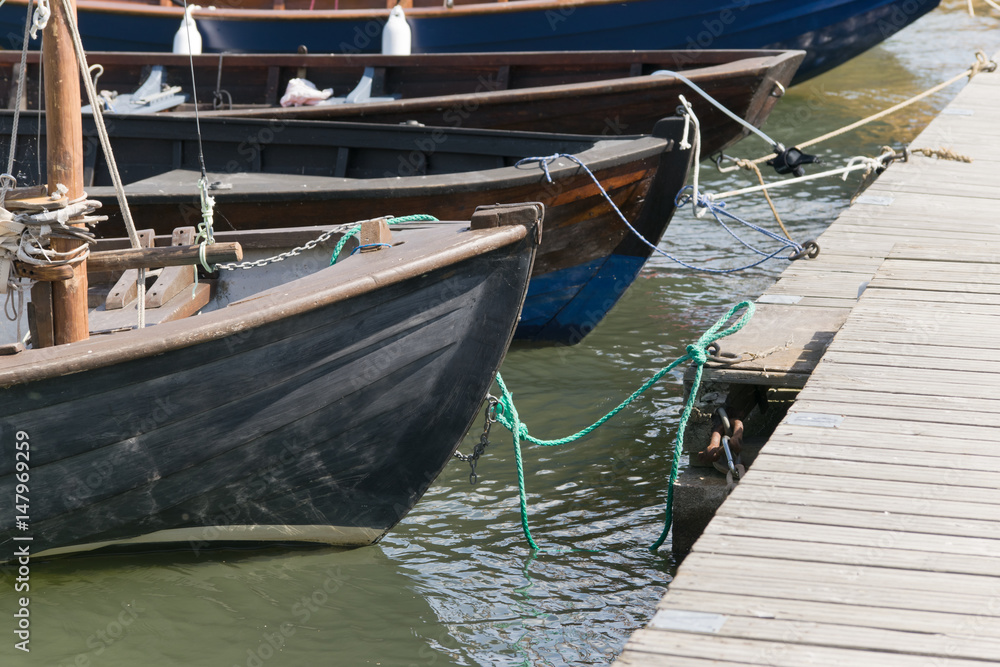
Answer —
187 39
396 35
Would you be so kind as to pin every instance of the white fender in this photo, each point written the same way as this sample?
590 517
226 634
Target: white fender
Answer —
188 31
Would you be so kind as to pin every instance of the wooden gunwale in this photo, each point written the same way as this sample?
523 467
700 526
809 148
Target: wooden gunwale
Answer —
604 154
305 294
750 68
706 59
135 8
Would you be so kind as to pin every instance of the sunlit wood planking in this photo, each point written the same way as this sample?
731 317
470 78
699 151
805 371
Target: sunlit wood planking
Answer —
872 542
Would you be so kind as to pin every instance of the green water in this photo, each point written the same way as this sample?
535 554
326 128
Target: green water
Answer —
454 584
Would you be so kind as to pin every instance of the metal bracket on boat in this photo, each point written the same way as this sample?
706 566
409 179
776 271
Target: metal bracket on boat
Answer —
484 440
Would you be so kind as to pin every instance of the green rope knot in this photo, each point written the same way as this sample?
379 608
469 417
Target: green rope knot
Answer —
697 354
507 416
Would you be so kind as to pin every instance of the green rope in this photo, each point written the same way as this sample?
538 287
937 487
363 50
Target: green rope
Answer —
351 233
507 415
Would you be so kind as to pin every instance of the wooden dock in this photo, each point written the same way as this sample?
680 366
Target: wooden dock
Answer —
867 532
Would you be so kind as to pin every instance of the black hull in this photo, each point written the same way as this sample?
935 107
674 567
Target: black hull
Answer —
327 426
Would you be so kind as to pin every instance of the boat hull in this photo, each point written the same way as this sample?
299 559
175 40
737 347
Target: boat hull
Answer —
587 259
308 413
830 31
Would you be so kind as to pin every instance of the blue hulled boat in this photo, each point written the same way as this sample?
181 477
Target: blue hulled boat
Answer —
830 31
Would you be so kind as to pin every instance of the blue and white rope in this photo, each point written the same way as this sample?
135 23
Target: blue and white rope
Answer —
717 209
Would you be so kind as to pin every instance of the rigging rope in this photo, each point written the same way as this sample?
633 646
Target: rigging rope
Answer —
982 64
704 202
507 415
942 154
17 111
857 163
972 11
750 166
711 100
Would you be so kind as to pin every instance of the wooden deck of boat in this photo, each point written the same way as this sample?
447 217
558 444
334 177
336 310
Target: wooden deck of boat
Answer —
866 531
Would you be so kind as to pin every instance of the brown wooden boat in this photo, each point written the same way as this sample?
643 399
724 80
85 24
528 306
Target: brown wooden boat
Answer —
595 92
269 173
295 401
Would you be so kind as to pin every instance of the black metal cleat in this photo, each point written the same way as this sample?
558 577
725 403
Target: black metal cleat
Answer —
790 160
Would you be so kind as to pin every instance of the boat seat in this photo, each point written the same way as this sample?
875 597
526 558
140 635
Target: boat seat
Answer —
183 304
174 295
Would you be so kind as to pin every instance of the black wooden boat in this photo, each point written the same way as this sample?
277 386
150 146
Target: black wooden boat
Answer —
590 92
317 409
271 173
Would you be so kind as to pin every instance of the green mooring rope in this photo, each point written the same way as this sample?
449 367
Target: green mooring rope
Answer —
507 415
419 217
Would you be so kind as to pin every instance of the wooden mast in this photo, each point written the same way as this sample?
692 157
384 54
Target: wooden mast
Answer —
64 136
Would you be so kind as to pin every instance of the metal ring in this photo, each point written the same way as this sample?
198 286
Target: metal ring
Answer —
810 250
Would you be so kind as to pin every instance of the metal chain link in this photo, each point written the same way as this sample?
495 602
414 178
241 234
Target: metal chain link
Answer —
309 245
484 440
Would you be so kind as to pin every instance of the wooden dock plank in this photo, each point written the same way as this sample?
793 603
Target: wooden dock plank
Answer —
935 498
962 552
819 590
781 653
821 451
840 636
919 505
916 414
737 604
905 582
874 437
751 511
803 548
832 634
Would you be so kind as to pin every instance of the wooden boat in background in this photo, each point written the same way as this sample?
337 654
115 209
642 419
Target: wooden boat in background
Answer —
595 92
313 172
830 31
